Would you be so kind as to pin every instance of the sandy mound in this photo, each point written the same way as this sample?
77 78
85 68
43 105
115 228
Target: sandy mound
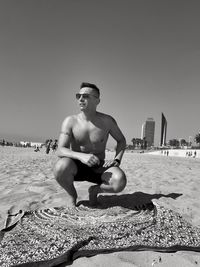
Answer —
27 182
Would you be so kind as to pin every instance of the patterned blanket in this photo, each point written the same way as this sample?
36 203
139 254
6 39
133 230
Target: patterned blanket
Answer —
60 235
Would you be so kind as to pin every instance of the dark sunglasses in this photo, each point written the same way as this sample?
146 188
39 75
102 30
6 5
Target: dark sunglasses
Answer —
85 96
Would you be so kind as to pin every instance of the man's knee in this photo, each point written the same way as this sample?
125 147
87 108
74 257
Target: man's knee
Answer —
118 180
121 182
64 166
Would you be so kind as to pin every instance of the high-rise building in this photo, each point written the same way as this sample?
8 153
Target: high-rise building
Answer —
148 130
163 130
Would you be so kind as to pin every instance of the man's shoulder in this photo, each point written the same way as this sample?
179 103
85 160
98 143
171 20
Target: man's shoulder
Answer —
70 120
106 117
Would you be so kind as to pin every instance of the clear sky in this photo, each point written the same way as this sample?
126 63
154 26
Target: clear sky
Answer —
143 55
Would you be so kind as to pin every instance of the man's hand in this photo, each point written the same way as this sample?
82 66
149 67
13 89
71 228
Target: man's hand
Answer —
111 163
90 160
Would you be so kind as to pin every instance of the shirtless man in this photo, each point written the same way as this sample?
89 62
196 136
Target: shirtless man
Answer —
81 149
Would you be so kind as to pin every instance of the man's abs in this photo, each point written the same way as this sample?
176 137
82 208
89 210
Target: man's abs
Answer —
99 152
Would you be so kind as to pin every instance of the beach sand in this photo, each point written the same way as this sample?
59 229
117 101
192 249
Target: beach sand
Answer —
27 182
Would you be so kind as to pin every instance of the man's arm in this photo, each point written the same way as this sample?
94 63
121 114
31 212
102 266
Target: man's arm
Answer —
116 133
65 138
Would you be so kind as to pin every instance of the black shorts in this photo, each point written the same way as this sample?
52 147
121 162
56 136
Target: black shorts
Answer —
89 174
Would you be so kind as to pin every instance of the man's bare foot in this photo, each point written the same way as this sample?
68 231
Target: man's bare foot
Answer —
70 202
93 192
70 205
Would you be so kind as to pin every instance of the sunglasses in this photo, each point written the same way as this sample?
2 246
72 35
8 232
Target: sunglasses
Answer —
84 96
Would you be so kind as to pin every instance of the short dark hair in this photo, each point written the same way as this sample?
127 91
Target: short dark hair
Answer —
91 85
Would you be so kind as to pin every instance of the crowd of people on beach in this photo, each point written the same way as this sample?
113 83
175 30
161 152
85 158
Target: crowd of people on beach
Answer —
165 152
3 142
50 144
190 154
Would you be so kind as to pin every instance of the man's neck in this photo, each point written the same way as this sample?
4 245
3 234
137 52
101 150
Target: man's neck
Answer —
88 116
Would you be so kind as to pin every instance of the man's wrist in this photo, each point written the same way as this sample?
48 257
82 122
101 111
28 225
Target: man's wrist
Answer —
118 161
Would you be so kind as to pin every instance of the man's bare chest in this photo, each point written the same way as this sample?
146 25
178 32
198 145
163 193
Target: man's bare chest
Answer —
85 133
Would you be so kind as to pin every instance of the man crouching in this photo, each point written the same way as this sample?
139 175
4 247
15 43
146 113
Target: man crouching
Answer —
81 149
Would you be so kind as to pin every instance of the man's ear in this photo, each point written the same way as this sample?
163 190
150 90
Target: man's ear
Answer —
98 101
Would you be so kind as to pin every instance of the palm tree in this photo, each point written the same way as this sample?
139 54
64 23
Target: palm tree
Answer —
197 138
134 142
183 142
174 143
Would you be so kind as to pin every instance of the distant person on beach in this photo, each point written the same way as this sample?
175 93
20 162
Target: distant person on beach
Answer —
2 143
54 145
36 149
81 148
48 146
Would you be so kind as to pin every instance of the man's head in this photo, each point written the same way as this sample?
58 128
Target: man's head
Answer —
88 96
94 88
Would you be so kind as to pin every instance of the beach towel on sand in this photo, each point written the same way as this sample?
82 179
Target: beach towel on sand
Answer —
60 235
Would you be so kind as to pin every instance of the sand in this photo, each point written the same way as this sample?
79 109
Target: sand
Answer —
27 182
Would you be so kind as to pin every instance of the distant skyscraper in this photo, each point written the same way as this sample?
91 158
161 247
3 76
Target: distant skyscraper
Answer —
163 130
148 130
143 130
